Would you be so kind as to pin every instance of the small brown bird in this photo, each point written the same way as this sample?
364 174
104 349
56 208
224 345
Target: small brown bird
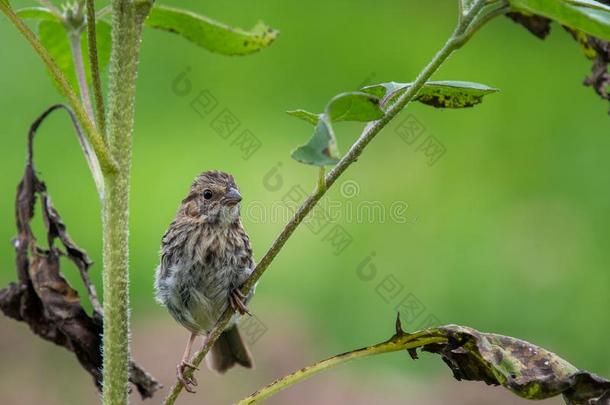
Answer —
205 258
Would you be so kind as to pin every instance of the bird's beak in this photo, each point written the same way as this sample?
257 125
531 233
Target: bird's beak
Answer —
232 197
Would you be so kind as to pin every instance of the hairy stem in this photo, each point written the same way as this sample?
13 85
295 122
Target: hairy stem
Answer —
122 81
396 343
370 131
95 138
98 95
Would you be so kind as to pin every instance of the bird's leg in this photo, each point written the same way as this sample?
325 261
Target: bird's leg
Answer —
188 382
236 299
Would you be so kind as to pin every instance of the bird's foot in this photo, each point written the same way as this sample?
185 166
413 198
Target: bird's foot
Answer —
236 299
188 382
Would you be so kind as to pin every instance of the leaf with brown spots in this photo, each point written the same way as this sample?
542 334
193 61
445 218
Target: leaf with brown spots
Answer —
209 34
527 370
594 47
439 94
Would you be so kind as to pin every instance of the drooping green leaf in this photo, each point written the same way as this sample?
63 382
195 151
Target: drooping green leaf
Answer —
54 38
209 34
589 16
525 369
305 116
321 150
440 94
37 13
354 106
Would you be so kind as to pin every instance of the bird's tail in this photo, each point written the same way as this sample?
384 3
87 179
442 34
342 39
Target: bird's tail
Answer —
229 350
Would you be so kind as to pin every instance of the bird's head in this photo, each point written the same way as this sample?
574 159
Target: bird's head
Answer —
213 198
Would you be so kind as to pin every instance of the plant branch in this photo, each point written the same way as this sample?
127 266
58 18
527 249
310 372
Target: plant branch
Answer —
370 131
495 9
97 142
400 341
92 161
79 67
127 17
98 95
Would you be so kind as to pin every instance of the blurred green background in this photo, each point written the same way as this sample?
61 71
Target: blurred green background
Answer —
507 232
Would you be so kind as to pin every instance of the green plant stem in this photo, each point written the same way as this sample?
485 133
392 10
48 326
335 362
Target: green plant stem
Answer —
371 130
98 95
95 138
322 180
77 57
79 67
122 89
396 343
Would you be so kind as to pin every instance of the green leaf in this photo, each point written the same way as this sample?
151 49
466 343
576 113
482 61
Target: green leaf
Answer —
210 34
321 150
440 94
589 16
305 116
37 13
54 38
354 106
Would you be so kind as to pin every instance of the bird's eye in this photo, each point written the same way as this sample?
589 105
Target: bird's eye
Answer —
207 194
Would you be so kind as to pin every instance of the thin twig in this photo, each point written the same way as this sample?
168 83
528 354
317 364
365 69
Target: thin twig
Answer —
396 343
79 67
77 57
100 113
370 131
97 141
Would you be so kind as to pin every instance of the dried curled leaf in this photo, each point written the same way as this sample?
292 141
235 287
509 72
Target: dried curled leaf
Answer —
43 298
527 370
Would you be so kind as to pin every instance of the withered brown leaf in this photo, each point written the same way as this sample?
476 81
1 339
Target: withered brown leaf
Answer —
527 370
42 297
